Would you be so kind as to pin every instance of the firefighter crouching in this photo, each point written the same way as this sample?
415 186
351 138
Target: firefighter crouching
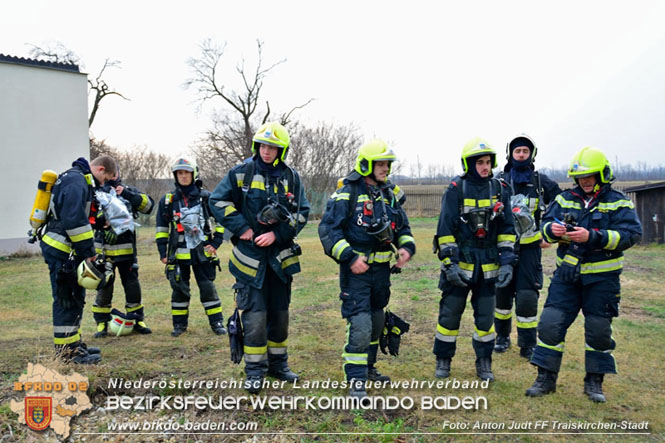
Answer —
593 224
474 241
120 250
532 191
67 241
362 226
185 236
262 202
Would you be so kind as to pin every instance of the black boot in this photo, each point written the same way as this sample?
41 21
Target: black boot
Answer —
358 389
526 352
90 349
593 387
484 368
283 373
77 355
102 330
374 375
218 328
502 343
442 368
254 384
178 331
545 383
142 328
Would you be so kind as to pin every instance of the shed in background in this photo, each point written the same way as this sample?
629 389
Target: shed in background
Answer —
649 202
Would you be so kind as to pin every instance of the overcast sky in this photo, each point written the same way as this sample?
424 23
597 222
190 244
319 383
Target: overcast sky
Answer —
426 75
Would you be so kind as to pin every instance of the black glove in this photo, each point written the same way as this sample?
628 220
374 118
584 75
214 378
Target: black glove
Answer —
455 276
395 327
395 270
66 281
110 237
505 275
383 340
236 341
569 269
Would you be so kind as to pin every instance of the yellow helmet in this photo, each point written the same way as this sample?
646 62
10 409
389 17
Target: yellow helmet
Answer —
477 147
373 151
272 134
590 161
120 325
94 275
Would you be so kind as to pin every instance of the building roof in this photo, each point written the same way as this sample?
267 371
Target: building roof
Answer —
69 67
646 187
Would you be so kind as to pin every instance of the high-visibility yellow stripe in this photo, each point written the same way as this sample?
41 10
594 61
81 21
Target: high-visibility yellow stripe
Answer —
558 348
81 237
404 239
444 331
212 311
290 261
446 239
66 340
255 350
179 311
531 239
229 210
569 204
159 235
339 248
56 244
101 310
135 308
144 202
506 238
613 238
245 269
274 344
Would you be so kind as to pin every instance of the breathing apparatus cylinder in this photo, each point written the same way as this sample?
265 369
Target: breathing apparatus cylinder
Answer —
43 198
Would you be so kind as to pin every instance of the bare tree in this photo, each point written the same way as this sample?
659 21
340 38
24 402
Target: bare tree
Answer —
57 52
101 89
229 140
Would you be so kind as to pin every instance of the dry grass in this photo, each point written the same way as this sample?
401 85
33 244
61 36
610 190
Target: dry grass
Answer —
317 337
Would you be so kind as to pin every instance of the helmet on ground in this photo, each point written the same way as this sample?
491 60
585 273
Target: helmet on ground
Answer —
477 147
373 151
92 275
120 325
185 163
272 134
521 139
590 161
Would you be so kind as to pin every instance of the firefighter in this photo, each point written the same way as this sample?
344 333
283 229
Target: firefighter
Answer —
593 224
363 227
186 237
262 202
474 241
66 241
121 251
535 191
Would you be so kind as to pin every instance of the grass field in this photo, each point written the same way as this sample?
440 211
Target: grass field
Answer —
317 334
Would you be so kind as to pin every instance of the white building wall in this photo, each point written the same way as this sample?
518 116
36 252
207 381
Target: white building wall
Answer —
43 125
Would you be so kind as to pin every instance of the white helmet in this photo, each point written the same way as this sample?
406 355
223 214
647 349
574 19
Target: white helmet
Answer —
121 326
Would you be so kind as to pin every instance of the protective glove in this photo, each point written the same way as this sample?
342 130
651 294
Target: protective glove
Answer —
236 341
505 275
455 276
383 340
110 237
66 280
569 269
395 327
395 270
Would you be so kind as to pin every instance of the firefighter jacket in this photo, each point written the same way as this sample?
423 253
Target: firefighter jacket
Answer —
124 248
68 225
540 192
170 233
346 228
237 200
613 227
457 238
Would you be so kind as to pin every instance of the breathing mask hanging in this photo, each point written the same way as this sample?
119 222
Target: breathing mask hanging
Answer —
273 213
115 212
192 221
524 221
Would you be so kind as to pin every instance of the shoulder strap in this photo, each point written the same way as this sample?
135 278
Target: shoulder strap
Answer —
353 198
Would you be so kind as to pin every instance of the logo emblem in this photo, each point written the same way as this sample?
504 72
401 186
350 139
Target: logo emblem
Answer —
38 412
